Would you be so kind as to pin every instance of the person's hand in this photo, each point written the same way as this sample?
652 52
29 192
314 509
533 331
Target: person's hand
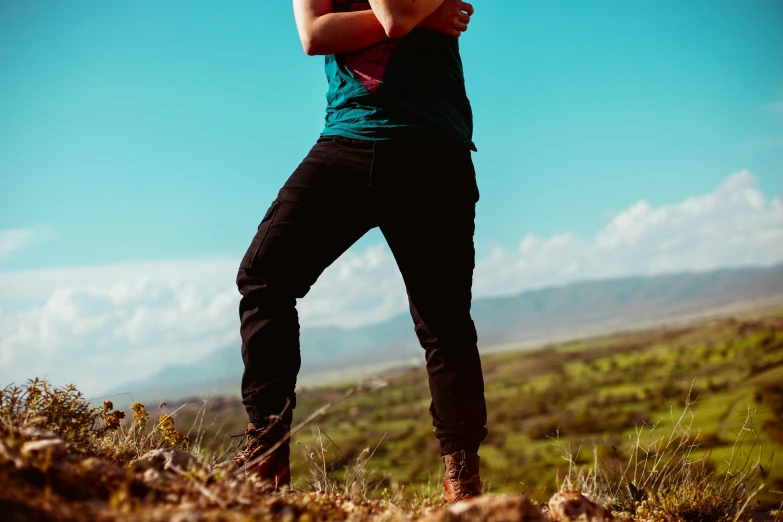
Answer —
452 18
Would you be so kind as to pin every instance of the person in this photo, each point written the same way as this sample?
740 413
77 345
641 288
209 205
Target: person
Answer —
395 153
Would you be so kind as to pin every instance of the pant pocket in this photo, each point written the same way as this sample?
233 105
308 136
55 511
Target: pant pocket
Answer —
258 239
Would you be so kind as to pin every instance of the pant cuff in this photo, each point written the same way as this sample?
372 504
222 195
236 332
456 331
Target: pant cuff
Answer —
453 445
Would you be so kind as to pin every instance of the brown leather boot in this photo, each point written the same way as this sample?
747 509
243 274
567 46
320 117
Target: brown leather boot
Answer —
461 480
256 458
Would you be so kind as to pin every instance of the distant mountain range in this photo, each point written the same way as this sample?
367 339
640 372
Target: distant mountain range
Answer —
536 316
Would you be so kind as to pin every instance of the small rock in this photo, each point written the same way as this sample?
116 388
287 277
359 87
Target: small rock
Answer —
37 433
572 505
151 476
164 459
489 508
54 447
187 516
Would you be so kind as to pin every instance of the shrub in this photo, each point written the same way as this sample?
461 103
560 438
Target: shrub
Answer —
88 430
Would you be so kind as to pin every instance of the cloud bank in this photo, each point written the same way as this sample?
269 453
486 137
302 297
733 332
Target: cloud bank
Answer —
732 226
100 326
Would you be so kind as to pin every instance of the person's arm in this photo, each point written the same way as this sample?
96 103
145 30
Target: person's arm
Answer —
399 17
324 32
452 18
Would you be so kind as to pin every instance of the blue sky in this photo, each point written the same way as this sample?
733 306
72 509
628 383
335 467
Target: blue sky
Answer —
137 130
143 139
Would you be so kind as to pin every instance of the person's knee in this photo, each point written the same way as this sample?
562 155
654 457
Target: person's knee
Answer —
455 332
241 280
258 294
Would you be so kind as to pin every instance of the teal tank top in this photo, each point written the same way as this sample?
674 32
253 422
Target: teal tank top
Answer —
407 88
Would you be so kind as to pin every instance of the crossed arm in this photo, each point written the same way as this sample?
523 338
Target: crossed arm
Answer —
398 17
325 32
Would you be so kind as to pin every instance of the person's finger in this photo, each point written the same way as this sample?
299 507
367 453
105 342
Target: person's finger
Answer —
464 18
461 26
464 6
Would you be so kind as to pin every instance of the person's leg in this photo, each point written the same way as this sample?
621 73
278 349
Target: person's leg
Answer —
429 192
321 210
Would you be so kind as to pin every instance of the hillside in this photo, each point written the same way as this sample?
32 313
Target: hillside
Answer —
592 394
666 425
538 316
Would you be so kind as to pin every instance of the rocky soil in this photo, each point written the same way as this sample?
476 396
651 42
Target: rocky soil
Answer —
41 478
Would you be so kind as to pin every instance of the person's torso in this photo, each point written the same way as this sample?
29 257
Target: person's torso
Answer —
411 87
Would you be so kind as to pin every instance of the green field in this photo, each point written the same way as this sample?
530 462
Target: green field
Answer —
592 394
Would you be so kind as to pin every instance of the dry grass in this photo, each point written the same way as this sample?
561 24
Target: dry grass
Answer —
662 476
98 479
668 476
87 430
669 471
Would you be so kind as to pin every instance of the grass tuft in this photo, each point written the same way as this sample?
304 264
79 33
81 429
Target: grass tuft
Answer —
668 476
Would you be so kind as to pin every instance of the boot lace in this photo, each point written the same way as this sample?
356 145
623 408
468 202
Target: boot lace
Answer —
464 486
251 438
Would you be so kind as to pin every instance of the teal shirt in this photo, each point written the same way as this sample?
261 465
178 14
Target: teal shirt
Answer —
407 88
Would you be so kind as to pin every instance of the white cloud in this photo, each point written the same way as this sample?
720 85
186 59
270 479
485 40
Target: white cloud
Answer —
14 240
99 326
731 226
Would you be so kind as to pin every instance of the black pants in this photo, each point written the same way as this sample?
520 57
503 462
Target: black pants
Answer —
422 195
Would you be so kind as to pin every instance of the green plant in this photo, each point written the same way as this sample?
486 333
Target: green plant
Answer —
88 430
